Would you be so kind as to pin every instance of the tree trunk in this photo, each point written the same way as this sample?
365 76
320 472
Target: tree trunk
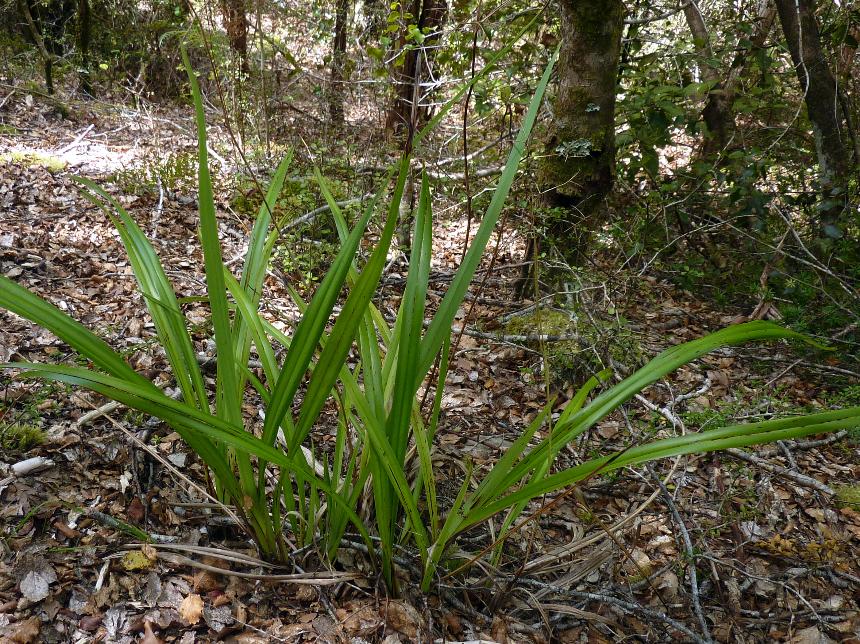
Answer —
236 24
765 17
717 114
405 112
848 84
579 163
822 106
84 34
36 34
335 106
374 13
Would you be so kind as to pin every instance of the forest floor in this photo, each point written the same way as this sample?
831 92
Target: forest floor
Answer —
773 532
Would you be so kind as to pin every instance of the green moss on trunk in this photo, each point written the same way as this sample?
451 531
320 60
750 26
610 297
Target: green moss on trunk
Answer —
578 164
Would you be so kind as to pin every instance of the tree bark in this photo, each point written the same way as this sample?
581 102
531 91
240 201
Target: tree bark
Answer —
717 114
84 36
765 17
236 24
374 13
822 105
39 41
577 172
848 83
405 113
335 106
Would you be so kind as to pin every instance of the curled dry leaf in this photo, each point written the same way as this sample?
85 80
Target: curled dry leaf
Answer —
191 608
25 632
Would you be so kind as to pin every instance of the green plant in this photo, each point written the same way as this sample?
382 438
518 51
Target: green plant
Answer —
175 171
382 437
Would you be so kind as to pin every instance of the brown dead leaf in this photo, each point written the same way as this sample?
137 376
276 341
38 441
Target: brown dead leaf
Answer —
608 429
90 622
402 618
455 627
24 632
149 637
810 635
499 630
205 581
136 511
191 608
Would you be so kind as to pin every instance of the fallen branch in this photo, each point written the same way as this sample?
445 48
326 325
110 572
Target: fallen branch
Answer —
77 140
688 550
313 214
31 466
797 477
632 607
535 337
460 176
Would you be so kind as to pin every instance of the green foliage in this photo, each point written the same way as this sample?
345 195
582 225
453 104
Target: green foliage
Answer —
848 496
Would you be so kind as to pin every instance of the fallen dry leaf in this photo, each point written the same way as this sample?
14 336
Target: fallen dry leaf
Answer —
149 637
191 608
23 632
37 579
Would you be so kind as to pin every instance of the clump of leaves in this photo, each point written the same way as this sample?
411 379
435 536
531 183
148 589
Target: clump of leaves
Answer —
20 437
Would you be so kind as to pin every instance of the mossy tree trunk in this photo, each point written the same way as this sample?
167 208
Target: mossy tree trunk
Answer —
718 113
577 171
718 116
820 92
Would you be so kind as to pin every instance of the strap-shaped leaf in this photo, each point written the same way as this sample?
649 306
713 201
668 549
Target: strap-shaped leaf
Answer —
312 326
343 333
735 436
22 302
659 367
228 398
192 424
260 245
440 327
159 296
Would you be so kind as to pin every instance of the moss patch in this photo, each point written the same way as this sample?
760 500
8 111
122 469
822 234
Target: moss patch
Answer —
848 496
20 437
52 163
596 345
